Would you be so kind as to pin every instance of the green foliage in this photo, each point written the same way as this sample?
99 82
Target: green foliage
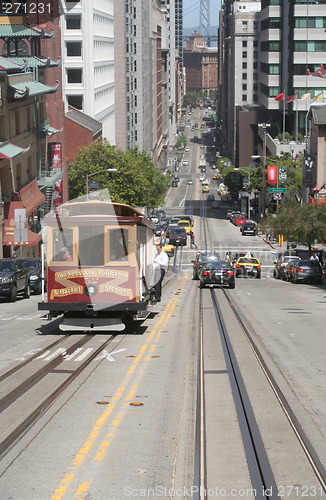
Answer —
137 182
181 141
301 223
287 137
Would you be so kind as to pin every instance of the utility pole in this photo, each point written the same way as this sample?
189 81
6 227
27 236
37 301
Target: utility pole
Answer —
264 126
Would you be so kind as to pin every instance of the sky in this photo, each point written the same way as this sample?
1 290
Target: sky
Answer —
191 9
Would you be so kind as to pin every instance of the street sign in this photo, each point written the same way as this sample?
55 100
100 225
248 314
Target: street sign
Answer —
277 190
277 196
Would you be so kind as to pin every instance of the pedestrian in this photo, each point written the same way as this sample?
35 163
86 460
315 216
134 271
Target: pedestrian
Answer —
192 239
314 257
161 261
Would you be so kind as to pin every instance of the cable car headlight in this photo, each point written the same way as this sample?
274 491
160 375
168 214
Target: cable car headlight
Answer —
91 289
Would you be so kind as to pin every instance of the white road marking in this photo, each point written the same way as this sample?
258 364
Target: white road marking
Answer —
84 354
108 355
28 354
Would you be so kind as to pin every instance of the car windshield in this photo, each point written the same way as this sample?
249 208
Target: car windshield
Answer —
307 263
206 257
6 266
179 230
247 260
183 223
31 263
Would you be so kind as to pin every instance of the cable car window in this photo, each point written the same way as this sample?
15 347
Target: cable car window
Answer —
62 244
91 245
118 244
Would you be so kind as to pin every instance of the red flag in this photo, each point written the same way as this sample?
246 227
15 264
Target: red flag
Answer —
291 98
279 97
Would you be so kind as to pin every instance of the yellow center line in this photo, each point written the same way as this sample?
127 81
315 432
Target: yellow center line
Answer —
64 484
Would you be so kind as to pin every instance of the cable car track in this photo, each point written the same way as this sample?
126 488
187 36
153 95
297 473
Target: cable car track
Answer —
52 367
260 470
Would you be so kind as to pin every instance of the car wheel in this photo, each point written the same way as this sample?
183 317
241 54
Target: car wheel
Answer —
38 290
232 285
319 282
276 274
27 292
258 276
201 285
13 294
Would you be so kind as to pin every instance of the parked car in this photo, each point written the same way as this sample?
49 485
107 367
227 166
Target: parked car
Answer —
248 266
217 273
14 279
178 236
34 267
210 197
229 213
239 220
215 204
201 259
307 271
174 183
287 270
249 227
189 182
233 215
281 261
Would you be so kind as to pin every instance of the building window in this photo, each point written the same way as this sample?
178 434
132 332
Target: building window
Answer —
76 101
244 65
244 43
244 25
74 49
244 55
244 76
244 97
73 22
244 86
74 75
255 98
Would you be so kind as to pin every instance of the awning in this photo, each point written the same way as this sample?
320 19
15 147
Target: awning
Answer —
9 226
10 151
31 197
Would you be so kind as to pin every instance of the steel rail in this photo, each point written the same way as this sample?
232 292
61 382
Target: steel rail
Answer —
258 464
315 462
9 442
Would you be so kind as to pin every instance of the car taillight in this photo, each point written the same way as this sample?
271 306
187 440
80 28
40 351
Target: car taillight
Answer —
318 270
238 265
259 266
230 273
206 273
299 269
197 264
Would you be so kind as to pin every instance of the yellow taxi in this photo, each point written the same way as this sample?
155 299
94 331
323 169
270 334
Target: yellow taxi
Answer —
168 249
216 177
205 189
186 225
247 266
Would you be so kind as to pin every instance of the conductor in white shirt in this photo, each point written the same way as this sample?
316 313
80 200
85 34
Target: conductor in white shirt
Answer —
161 261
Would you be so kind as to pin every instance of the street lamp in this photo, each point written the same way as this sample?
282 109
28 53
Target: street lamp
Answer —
264 126
248 174
96 173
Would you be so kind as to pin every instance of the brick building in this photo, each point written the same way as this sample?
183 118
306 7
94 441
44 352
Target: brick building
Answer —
200 64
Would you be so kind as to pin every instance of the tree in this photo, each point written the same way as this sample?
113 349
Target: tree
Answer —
137 181
300 223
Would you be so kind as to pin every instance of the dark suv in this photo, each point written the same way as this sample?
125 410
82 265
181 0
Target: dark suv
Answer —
249 227
14 279
201 259
177 236
34 267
